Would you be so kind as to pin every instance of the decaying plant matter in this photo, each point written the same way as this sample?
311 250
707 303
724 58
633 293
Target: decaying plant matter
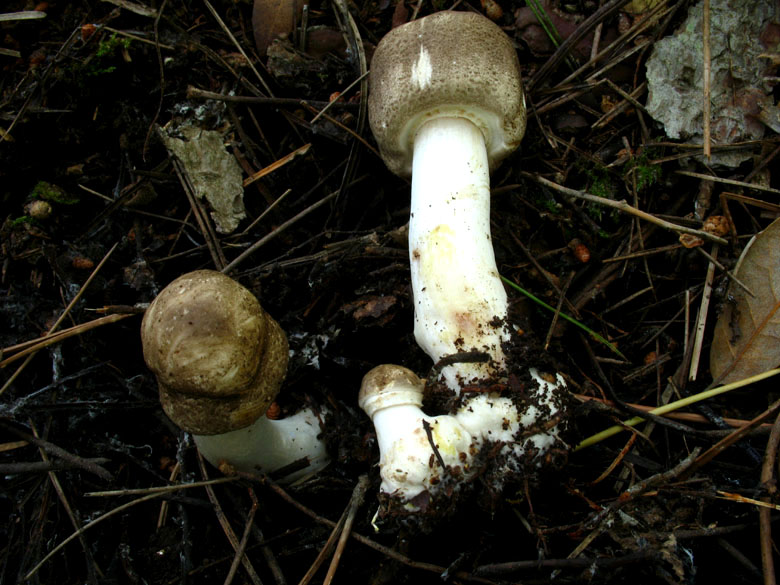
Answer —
585 226
446 106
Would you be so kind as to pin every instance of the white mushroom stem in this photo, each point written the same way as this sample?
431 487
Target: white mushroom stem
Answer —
407 463
269 445
392 397
460 301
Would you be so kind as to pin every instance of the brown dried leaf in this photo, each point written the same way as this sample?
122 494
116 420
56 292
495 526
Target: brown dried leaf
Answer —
400 14
690 241
272 18
717 225
746 341
373 306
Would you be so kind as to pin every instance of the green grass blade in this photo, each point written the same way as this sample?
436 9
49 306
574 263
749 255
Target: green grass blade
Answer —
544 21
571 320
672 406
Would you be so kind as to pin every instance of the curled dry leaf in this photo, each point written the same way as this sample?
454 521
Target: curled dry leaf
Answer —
717 225
747 335
375 307
273 18
691 241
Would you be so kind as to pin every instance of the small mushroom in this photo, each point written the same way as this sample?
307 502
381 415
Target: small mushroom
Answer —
435 456
392 397
446 106
220 360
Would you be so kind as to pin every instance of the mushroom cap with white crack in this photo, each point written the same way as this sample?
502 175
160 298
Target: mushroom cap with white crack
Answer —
448 64
218 357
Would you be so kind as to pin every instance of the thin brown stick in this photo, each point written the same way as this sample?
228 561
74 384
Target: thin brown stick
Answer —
266 211
684 416
162 489
197 93
54 64
53 449
556 315
388 552
496 569
348 130
649 20
642 253
342 93
701 317
44 466
163 515
715 179
624 207
545 274
277 164
92 567
358 494
339 535
325 552
34 345
150 496
765 514
628 100
706 65
226 527
616 461
238 46
212 242
244 539
83 529
566 46
265 239
62 317
731 438
721 267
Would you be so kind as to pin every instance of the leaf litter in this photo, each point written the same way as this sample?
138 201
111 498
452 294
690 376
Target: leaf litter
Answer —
81 91
746 340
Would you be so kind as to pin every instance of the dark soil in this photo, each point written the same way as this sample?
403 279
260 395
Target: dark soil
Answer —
79 112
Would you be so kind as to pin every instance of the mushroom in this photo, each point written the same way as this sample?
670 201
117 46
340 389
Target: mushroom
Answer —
426 456
446 106
220 360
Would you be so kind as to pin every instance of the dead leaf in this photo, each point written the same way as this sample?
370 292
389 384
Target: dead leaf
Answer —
273 18
717 225
372 306
747 335
400 14
211 169
690 241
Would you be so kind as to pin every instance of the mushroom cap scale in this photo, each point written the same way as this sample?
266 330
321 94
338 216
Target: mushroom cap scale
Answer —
218 357
448 64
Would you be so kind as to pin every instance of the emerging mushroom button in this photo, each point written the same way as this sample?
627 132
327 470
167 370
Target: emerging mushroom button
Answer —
220 360
429 459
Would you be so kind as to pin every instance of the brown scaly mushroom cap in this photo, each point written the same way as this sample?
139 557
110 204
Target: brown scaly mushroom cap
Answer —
448 64
218 357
